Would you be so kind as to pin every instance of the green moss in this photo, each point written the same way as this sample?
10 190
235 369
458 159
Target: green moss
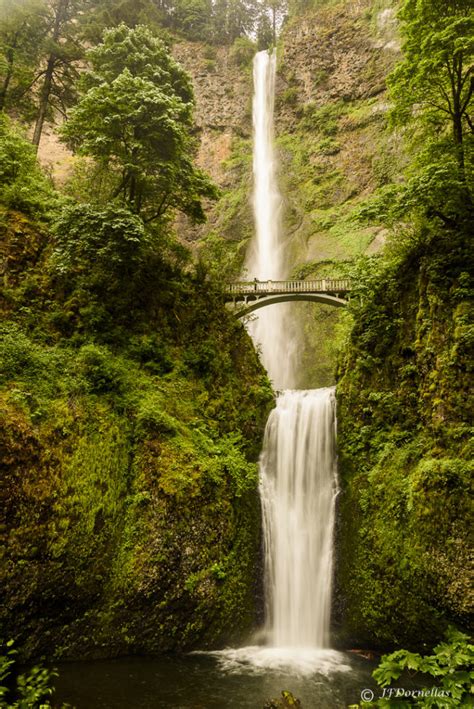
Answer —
130 469
403 423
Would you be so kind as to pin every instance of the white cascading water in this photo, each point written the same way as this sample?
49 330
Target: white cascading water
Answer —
271 328
297 466
298 490
298 483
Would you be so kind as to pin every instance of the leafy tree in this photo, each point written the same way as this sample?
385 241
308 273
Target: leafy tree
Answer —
265 36
103 14
243 51
233 18
432 90
271 16
22 30
110 269
194 19
110 240
134 118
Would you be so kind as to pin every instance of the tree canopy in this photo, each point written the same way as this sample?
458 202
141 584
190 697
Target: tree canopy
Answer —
432 89
21 30
134 118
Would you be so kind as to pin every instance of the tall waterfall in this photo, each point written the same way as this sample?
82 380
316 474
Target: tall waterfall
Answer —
266 259
297 467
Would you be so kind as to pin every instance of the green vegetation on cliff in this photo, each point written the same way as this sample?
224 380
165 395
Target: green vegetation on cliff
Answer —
405 402
132 407
334 149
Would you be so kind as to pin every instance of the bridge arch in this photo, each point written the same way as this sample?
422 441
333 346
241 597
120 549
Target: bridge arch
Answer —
326 298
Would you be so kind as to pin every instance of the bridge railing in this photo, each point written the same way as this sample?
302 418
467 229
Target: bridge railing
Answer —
322 285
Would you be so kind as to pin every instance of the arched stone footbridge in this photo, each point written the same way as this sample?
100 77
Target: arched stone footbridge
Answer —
256 294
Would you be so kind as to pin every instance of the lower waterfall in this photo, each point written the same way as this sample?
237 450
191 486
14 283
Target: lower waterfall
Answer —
298 489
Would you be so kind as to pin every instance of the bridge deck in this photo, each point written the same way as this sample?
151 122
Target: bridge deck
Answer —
242 290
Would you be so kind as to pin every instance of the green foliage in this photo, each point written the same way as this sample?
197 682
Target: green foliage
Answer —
28 690
220 257
17 354
134 118
107 265
403 430
152 352
96 365
216 23
193 18
22 184
100 15
132 403
432 91
242 51
22 28
40 46
152 419
233 18
287 701
450 666
93 242
324 119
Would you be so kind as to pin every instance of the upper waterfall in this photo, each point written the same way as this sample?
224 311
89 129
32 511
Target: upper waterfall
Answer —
266 258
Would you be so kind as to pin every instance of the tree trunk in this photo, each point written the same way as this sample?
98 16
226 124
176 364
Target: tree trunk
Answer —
45 92
8 76
44 100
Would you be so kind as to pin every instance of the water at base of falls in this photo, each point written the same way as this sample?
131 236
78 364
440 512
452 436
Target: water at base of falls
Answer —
301 662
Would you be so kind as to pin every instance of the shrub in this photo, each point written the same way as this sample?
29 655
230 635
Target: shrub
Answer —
290 96
152 353
17 353
26 690
100 370
152 418
22 184
242 51
450 665
106 243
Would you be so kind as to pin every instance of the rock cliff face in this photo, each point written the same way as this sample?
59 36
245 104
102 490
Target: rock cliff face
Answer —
333 149
330 121
223 92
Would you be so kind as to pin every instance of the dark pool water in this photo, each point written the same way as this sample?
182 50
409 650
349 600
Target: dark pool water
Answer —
233 679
